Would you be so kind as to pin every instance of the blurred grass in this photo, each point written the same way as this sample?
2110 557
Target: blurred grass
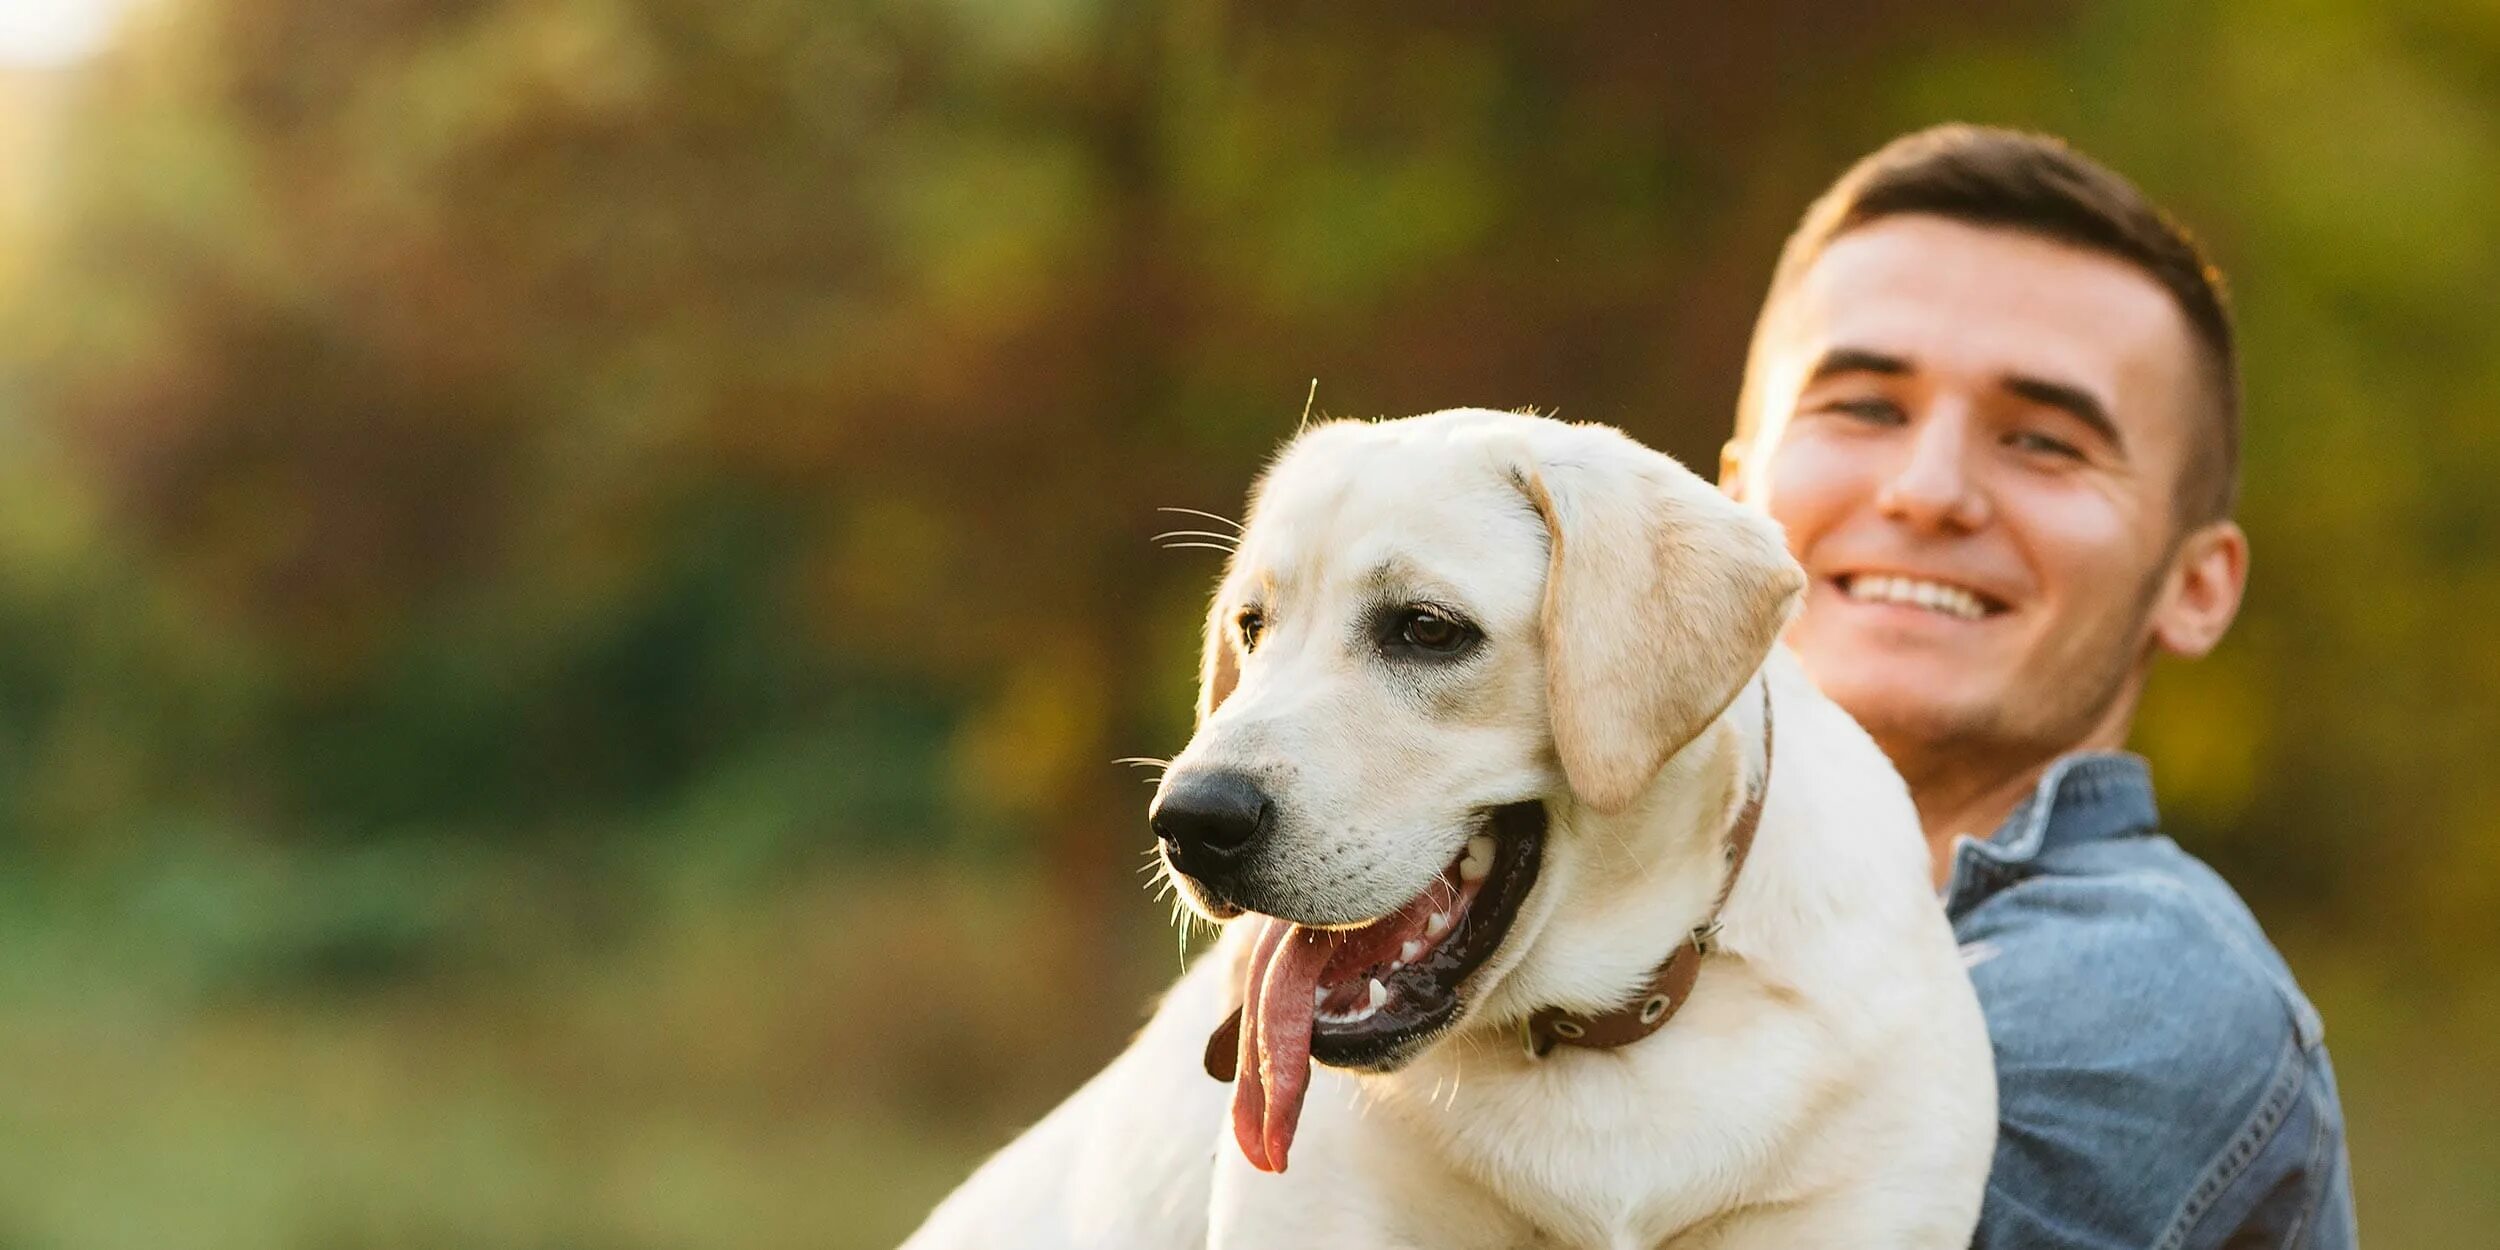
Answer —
811 1064
351 1053
2413 1061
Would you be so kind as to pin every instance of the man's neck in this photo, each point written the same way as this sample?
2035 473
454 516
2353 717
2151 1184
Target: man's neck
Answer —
1968 802
1964 789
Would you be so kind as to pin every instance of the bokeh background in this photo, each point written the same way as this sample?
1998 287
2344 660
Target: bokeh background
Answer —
572 571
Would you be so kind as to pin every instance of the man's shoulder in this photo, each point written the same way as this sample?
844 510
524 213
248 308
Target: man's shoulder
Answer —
2132 950
2161 1080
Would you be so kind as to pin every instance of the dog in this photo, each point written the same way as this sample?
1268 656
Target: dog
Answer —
1602 926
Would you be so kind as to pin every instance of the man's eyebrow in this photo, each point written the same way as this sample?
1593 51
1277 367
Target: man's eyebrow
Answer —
2081 404
1840 360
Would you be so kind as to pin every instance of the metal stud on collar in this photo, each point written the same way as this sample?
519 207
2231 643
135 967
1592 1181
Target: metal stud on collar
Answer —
1671 983
1529 1042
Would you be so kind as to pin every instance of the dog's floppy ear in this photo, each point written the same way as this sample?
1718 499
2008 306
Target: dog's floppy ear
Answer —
1662 596
1219 667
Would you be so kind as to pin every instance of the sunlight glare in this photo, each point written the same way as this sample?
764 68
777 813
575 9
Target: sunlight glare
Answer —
47 34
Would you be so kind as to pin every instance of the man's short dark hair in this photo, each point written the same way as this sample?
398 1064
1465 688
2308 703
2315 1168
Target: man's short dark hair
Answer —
1986 176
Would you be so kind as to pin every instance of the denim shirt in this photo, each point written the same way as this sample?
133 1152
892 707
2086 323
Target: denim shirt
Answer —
2161 1082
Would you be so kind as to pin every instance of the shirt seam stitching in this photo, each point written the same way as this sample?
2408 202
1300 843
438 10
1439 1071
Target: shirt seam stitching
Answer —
2318 1141
2243 1148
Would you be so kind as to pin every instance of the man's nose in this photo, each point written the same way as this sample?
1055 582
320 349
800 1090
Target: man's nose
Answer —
1205 820
1932 486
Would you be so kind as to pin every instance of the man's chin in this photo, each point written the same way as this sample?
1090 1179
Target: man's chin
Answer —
1899 705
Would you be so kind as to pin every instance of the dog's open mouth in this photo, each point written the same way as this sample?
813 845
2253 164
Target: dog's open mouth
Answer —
1367 996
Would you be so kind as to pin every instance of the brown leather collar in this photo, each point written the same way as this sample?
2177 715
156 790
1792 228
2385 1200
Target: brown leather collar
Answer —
1672 983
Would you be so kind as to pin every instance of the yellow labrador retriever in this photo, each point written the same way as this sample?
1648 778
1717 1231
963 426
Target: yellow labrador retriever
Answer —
1601 925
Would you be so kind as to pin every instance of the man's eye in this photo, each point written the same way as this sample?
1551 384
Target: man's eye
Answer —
1872 409
1249 623
2042 444
1427 630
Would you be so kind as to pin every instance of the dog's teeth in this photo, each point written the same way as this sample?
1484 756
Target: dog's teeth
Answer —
1437 925
1479 859
1374 998
1319 995
1412 951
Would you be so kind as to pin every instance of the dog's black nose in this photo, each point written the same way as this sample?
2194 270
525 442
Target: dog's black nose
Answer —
1206 818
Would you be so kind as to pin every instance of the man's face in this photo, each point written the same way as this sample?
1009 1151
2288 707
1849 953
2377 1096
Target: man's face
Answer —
1973 437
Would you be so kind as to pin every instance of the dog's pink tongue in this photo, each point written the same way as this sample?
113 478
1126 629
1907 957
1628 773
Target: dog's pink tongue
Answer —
1275 1064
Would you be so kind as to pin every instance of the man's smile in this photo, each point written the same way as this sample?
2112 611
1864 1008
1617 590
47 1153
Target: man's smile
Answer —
1928 596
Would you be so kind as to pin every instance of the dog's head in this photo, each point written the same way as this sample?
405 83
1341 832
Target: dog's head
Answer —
1433 629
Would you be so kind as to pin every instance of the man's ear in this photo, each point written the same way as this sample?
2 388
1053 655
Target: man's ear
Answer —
1732 468
1219 664
2202 596
1662 597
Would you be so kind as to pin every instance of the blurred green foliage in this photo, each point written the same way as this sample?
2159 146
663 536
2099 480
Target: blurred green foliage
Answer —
571 570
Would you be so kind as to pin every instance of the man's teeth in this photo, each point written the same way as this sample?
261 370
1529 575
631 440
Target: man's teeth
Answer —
1934 596
1478 860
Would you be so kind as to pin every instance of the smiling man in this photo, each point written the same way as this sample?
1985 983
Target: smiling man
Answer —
1994 400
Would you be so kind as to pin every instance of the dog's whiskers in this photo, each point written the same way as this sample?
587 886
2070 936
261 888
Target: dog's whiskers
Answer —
1226 549
1639 864
1217 518
1229 541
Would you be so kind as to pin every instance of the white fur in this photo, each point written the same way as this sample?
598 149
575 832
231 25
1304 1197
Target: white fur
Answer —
1829 1082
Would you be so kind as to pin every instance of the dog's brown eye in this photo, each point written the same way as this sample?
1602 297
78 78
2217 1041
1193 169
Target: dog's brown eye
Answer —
1432 631
1250 623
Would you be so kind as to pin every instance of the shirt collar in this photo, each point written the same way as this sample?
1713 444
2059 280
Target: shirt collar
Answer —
2087 797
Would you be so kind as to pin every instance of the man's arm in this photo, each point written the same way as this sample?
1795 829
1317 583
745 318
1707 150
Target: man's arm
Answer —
2156 1087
